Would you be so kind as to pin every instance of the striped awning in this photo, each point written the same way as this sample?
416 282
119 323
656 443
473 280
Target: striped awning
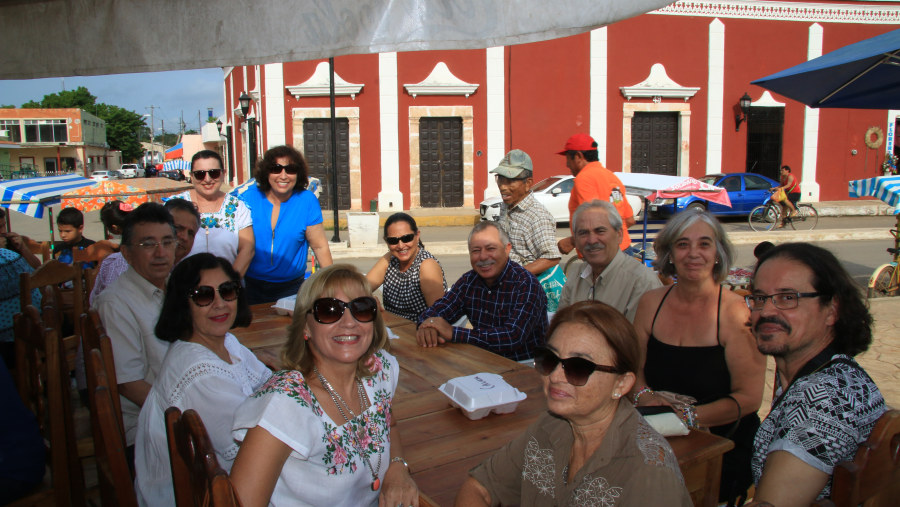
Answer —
886 188
240 189
31 195
176 165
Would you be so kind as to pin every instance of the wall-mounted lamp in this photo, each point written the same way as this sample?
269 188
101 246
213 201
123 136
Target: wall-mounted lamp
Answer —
244 99
742 112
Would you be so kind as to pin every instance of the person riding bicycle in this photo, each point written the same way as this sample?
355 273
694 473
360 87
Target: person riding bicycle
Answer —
791 187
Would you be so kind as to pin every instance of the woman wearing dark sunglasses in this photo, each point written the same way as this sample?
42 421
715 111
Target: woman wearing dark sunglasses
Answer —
591 447
696 343
412 278
206 368
287 221
319 432
225 223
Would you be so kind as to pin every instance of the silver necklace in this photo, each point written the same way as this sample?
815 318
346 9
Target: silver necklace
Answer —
341 404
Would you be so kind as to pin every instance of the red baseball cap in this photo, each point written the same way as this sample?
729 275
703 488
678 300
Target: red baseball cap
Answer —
579 142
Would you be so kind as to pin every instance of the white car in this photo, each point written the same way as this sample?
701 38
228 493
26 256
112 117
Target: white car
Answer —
104 175
553 193
131 171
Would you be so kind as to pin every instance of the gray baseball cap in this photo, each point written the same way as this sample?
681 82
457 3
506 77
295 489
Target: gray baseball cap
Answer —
515 165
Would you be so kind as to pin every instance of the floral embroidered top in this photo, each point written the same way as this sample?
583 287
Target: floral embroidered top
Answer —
327 464
233 216
634 466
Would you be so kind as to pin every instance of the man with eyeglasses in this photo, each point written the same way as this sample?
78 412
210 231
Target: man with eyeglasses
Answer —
531 228
809 315
505 304
130 307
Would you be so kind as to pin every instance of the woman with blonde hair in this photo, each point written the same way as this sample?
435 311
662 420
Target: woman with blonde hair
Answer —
319 431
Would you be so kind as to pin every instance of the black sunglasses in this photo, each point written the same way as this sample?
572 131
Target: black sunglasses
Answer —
204 295
290 168
406 238
577 369
330 310
201 175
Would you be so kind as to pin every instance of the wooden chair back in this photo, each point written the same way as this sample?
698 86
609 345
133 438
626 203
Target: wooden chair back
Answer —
53 274
873 477
94 337
113 475
42 378
95 252
196 474
41 248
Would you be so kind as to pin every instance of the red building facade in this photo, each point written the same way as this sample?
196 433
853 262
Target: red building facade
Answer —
658 92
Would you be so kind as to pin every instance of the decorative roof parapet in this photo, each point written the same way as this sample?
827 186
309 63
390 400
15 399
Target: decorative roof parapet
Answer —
658 85
441 82
786 11
319 85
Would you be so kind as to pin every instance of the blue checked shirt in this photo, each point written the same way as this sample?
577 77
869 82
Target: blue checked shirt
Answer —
509 319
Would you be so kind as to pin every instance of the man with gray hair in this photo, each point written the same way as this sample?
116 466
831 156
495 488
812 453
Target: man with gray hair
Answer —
505 303
531 228
606 274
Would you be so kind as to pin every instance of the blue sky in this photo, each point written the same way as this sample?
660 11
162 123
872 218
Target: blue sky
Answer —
171 92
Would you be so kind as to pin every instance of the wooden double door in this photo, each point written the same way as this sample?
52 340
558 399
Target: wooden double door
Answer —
317 150
440 162
654 143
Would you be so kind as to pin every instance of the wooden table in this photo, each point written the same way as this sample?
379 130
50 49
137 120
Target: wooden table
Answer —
439 442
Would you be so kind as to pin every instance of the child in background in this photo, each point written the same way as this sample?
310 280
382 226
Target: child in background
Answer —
70 224
113 216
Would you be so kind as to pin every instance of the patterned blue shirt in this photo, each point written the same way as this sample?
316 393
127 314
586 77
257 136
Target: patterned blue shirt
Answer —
509 318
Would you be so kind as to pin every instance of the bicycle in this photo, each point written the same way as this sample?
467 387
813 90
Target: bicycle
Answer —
769 215
885 280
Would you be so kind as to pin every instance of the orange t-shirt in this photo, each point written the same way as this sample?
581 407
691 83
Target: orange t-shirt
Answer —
597 182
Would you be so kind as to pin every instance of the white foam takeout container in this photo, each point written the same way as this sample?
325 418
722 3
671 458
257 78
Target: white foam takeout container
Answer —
285 306
480 394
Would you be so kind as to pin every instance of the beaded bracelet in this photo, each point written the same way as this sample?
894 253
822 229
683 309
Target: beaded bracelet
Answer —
637 395
689 416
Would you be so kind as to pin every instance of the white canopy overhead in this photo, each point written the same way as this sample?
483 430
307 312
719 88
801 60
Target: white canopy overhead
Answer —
52 38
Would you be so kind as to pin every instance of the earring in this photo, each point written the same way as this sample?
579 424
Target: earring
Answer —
616 396
305 336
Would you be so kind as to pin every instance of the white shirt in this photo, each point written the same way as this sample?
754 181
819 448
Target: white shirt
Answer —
192 377
218 232
325 466
129 309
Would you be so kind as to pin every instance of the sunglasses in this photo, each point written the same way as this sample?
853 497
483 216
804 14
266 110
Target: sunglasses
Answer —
204 295
406 238
201 175
577 369
330 310
290 168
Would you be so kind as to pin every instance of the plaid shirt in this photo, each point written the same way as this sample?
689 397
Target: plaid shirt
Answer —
531 230
509 319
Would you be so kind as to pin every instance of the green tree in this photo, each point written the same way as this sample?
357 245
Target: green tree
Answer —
122 125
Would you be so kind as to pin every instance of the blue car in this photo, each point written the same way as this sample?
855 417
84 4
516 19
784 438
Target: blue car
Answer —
746 191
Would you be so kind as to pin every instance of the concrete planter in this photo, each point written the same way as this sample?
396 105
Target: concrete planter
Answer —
363 229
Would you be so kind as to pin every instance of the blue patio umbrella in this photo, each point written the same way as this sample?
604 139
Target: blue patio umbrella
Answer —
864 75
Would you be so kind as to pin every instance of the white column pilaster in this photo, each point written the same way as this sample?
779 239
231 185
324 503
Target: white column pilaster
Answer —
715 110
599 75
389 198
809 187
496 114
273 88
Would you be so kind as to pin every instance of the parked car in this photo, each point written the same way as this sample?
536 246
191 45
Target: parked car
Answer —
104 175
131 171
553 193
150 172
172 175
746 191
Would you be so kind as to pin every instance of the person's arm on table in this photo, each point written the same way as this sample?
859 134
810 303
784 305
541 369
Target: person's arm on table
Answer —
315 236
399 487
432 320
258 466
246 249
507 337
787 481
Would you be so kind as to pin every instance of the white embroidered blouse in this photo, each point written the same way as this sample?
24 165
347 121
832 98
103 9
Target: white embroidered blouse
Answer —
192 376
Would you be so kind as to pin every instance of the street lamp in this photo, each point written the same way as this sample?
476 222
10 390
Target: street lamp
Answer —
228 148
244 100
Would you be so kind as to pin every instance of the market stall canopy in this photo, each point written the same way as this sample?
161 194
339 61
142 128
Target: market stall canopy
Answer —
670 187
864 75
91 37
30 196
886 188
95 196
176 165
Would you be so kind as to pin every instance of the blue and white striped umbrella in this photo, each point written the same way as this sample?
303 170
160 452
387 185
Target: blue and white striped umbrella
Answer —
176 165
886 188
240 189
31 195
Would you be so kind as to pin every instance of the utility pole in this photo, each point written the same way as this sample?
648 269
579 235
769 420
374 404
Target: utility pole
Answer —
152 143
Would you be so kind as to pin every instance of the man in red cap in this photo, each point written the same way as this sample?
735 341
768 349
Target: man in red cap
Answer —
593 181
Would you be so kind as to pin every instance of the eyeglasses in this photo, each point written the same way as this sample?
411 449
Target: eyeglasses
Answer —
290 168
330 310
577 369
406 238
781 300
204 295
153 245
201 175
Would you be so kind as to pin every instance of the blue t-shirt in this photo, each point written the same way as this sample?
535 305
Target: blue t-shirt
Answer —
281 254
